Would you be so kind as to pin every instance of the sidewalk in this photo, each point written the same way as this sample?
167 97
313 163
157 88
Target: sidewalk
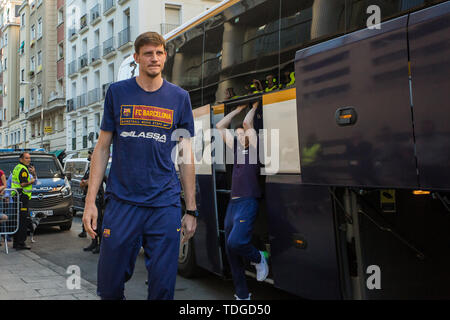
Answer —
26 276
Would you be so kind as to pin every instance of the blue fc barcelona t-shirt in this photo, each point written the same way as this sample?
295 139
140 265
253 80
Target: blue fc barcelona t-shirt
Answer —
142 171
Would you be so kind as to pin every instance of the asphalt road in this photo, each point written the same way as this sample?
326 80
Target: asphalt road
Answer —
65 249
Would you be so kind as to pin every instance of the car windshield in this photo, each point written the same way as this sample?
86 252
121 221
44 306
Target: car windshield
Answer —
46 167
77 168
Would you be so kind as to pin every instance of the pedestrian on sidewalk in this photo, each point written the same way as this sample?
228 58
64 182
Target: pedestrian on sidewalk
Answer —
143 205
243 206
99 200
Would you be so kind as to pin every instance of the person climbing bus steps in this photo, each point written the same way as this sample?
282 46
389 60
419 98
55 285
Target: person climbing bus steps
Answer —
243 206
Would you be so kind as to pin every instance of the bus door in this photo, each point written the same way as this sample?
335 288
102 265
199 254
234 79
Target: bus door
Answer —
208 254
223 159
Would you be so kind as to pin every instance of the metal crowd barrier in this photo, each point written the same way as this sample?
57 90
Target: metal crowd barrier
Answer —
9 215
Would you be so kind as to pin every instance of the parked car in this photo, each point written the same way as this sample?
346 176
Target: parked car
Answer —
77 168
51 194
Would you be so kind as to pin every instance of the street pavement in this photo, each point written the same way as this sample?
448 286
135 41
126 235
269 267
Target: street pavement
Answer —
26 276
42 273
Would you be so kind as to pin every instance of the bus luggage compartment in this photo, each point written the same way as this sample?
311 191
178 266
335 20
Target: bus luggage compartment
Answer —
354 113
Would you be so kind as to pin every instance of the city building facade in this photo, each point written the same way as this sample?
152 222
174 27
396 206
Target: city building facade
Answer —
58 58
13 121
100 35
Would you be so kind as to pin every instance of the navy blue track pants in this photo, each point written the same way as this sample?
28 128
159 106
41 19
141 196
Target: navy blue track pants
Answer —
127 228
239 221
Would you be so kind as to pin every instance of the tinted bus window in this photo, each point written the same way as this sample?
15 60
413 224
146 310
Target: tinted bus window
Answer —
357 15
184 62
241 45
305 22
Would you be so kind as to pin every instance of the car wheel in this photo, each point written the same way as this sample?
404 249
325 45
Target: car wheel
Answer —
66 226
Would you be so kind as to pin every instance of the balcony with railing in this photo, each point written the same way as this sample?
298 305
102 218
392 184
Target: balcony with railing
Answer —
82 101
95 55
95 14
71 105
166 27
108 6
124 39
105 88
84 23
108 48
72 68
94 96
83 63
73 34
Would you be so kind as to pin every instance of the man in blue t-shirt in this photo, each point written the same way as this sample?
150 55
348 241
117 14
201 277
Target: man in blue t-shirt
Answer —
145 117
243 206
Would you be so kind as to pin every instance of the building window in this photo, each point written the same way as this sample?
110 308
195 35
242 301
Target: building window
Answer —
74 135
32 65
33 32
40 27
22 20
39 96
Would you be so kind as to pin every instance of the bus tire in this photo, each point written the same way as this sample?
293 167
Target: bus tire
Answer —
187 267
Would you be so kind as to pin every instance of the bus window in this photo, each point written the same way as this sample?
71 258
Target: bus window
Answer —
357 15
304 22
241 52
184 63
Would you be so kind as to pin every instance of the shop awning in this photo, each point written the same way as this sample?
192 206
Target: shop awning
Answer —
57 153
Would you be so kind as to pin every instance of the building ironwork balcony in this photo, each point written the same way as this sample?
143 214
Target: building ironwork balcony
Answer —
124 38
83 23
82 100
95 55
108 47
108 6
71 105
166 27
94 96
95 14
105 88
83 62
72 35
72 68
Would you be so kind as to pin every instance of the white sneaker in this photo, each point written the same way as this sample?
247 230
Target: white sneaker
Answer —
262 268
249 295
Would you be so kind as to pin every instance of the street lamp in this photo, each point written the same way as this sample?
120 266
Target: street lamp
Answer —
42 113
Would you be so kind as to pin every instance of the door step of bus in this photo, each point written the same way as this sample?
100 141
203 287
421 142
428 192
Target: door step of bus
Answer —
223 191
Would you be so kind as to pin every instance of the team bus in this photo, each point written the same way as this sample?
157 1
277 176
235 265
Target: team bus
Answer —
357 204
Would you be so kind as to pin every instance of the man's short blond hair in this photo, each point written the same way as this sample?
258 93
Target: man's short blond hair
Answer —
146 38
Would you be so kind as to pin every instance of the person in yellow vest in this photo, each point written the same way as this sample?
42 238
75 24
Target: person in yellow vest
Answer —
22 182
271 83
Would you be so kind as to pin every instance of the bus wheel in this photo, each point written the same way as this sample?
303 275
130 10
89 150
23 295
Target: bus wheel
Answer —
187 266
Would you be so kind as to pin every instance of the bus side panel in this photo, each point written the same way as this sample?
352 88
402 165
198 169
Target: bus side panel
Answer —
412 261
206 240
303 241
429 42
365 72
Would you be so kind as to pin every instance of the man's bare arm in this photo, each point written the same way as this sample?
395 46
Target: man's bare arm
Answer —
187 177
248 125
223 124
99 162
